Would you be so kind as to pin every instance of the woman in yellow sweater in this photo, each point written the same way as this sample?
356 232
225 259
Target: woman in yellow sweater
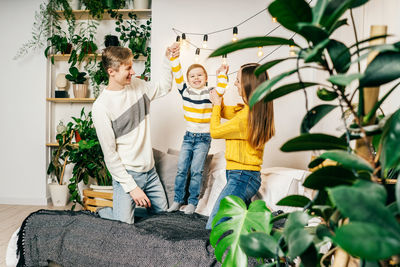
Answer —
246 132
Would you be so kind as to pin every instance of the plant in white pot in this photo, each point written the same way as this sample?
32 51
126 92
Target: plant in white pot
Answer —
58 188
78 79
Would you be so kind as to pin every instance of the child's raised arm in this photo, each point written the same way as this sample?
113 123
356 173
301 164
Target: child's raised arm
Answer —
176 66
222 79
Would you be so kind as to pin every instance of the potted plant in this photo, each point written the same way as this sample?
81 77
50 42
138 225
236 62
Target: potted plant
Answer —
87 157
58 189
78 79
59 44
111 40
84 43
98 76
358 212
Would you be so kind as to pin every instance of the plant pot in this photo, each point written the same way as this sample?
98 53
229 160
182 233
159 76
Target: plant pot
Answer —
80 90
68 49
74 4
129 4
141 4
59 194
77 137
111 40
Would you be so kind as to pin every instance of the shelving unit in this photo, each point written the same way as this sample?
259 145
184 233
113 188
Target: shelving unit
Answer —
65 57
84 14
71 100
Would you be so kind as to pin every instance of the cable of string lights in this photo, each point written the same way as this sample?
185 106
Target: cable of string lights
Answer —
181 37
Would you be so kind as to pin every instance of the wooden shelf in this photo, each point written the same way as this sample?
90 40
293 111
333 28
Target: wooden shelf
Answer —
65 57
84 14
71 100
56 144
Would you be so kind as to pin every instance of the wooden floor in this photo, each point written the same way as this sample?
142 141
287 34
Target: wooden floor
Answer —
11 217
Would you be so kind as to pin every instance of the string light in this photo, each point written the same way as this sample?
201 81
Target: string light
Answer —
197 55
184 42
235 33
224 60
205 39
178 38
292 49
274 20
260 53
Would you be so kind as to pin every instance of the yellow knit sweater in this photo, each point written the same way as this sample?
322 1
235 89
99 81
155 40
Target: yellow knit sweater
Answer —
239 154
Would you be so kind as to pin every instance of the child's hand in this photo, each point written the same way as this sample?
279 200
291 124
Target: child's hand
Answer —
223 69
215 98
175 49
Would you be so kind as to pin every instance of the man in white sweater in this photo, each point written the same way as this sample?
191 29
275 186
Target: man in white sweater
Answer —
122 121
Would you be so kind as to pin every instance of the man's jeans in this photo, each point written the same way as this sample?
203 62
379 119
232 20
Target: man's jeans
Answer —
241 183
193 154
124 206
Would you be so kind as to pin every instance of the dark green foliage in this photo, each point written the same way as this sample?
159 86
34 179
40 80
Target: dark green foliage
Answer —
76 76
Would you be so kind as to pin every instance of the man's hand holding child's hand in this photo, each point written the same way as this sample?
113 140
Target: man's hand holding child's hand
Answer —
173 50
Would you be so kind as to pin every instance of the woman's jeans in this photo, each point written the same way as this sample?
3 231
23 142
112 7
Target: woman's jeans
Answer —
241 183
124 206
193 154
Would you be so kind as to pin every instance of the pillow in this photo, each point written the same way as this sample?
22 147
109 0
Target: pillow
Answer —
215 183
279 182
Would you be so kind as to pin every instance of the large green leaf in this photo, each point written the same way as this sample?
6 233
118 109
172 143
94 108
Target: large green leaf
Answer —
326 95
398 194
329 176
251 42
312 33
259 245
290 12
242 221
367 241
287 89
314 54
344 79
334 10
383 69
338 24
318 10
297 238
340 56
348 160
261 91
306 142
294 201
369 198
390 140
266 66
314 115
368 117
357 3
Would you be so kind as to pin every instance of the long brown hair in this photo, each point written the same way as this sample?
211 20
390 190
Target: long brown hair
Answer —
260 124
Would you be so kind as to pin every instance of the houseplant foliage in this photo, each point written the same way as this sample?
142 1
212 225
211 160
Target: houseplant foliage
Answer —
87 157
357 209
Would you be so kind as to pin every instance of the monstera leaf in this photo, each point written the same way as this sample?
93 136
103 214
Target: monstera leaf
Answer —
242 221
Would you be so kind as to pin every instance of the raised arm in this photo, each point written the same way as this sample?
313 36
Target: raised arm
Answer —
177 72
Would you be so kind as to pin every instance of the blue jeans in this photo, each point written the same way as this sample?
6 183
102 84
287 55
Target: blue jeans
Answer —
124 206
193 154
241 183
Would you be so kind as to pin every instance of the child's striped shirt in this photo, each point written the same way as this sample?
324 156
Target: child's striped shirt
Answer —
196 102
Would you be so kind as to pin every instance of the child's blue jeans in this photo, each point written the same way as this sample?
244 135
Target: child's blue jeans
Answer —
193 155
241 183
123 205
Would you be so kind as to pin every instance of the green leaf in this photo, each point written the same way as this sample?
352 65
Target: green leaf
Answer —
369 198
340 56
329 176
314 54
242 221
326 95
390 141
259 245
251 42
266 66
367 240
306 142
369 39
398 194
384 68
338 24
334 10
318 11
314 116
297 238
312 33
290 12
357 3
344 79
348 160
294 201
261 91
287 89
369 116
315 163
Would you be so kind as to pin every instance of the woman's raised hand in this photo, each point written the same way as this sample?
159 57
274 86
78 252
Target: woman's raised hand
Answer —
215 98
223 69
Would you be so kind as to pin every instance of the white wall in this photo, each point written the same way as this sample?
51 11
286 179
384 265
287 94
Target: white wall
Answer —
22 109
22 97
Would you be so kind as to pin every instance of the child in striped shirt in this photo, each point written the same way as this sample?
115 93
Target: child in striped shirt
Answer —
196 142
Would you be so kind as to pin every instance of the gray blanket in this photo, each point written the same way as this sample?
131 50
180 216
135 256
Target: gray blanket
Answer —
83 239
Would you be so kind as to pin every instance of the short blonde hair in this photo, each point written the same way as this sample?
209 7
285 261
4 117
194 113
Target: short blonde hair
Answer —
115 56
194 66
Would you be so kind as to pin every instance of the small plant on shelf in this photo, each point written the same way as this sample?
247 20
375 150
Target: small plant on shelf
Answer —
98 76
75 76
84 42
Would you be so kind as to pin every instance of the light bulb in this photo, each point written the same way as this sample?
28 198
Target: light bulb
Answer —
205 39
224 60
235 33
292 51
260 53
274 20
197 55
